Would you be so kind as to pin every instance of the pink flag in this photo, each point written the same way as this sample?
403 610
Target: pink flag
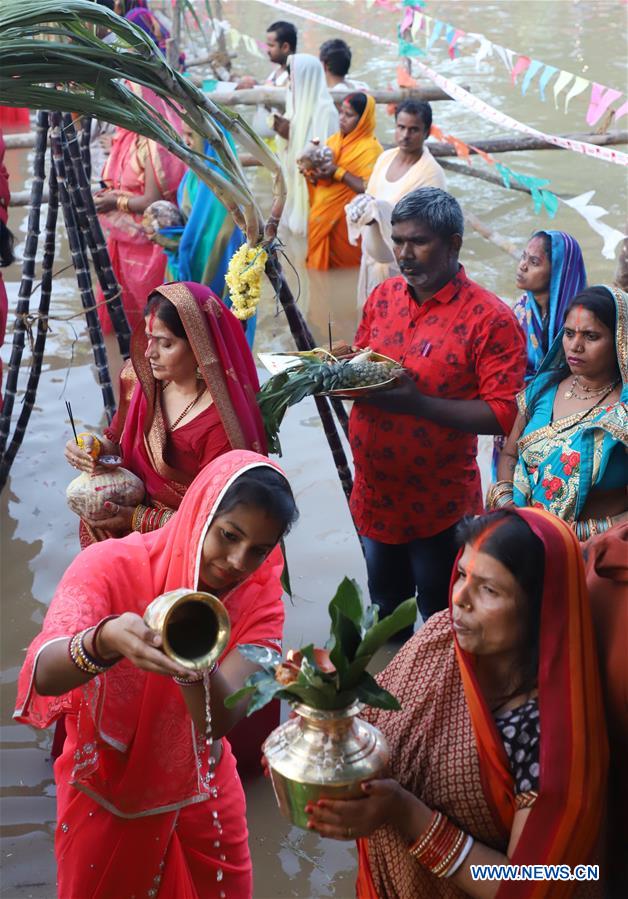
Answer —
522 63
601 99
452 44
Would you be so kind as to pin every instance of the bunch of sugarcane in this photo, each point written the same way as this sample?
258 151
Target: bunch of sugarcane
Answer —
314 376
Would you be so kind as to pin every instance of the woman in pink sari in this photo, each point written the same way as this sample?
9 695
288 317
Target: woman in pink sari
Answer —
189 353
146 805
137 173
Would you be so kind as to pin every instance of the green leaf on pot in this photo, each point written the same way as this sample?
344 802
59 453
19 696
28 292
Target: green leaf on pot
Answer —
346 639
370 692
403 616
348 600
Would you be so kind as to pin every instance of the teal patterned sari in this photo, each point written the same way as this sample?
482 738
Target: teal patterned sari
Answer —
561 461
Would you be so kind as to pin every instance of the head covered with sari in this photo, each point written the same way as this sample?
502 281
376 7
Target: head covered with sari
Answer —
150 24
226 366
356 152
567 278
561 462
447 750
135 744
311 111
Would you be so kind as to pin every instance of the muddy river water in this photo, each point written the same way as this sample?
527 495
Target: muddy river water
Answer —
39 534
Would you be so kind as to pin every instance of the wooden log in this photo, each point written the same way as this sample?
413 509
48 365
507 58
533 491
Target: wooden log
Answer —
470 172
494 236
517 144
276 96
437 148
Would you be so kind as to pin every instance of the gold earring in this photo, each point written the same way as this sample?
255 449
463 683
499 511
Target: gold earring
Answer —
199 374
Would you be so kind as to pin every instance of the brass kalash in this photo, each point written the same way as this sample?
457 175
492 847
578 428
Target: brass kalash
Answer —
194 627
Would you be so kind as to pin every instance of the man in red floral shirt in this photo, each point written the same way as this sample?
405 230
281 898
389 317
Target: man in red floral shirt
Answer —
415 445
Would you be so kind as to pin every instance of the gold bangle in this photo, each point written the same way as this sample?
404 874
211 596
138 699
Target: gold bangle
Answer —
339 173
122 203
137 516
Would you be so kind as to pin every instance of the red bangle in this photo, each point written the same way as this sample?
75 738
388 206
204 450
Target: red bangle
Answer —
95 654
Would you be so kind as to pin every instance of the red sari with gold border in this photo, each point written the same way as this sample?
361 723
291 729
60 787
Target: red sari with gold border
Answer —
445 746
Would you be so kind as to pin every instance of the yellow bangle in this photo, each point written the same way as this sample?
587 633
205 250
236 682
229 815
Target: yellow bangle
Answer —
339 173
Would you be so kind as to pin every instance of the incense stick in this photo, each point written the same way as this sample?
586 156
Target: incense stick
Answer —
69 408
329 330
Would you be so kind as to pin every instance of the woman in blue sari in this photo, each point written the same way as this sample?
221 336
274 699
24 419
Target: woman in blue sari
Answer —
551 271
567 450
209 237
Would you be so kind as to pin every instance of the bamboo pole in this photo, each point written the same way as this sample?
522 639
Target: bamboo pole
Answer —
275 97
437 148
89 224
28 275
42 331
521 144
79 260
470 172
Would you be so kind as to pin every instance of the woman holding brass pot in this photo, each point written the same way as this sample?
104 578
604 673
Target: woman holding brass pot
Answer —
499 752
147 804
187 396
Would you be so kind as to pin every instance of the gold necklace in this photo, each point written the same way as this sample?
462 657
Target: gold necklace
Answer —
190 405
589 391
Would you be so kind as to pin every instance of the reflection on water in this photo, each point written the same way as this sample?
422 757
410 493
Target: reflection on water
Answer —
39 536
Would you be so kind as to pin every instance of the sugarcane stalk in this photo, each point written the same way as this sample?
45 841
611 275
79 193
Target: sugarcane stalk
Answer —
28 275
42 330
79 260
89 224
84 143
304 341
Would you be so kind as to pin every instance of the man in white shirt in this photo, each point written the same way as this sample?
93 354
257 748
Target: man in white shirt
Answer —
335 56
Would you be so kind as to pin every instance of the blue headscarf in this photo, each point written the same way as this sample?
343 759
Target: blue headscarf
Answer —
567 278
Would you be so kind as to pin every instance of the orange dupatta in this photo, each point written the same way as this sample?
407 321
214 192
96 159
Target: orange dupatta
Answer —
564 823
328 239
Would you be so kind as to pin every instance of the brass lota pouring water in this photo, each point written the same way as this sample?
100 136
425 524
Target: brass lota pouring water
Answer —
194 627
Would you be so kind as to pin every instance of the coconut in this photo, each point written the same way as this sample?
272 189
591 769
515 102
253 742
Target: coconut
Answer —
87 494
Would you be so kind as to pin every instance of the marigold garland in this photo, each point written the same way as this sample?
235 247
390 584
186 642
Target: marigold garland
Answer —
243 278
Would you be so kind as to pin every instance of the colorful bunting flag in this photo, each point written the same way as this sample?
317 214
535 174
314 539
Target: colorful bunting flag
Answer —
579 85
533 68
546 77
408 49
601 99
593 214
520 66
560 84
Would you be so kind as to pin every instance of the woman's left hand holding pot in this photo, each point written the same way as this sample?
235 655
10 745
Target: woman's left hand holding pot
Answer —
119 522
348 819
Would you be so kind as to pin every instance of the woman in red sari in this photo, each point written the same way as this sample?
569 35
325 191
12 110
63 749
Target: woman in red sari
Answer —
499 752
138 172
187 397
145 804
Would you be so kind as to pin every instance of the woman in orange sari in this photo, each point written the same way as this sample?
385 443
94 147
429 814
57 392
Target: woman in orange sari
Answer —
147 805
499 752
336 183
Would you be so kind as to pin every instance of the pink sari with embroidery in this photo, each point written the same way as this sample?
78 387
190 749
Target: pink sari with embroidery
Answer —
135 809
139 263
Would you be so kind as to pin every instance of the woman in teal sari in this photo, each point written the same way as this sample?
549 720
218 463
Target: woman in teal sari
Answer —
551 271
567 450
209 237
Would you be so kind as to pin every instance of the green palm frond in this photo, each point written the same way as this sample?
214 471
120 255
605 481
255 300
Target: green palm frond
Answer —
53 58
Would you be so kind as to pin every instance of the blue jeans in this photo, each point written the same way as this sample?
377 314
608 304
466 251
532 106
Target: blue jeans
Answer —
421 568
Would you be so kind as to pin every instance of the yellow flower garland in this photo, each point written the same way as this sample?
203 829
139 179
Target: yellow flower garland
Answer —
243 278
